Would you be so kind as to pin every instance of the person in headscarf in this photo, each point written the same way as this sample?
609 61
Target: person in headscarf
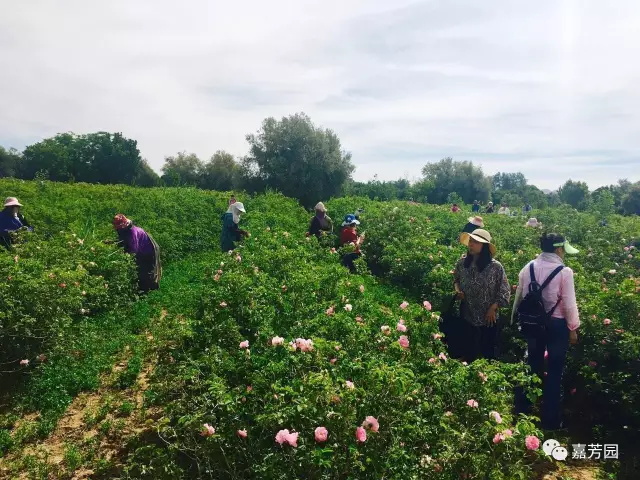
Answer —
11 220
490 208
147 252
321 223
230 231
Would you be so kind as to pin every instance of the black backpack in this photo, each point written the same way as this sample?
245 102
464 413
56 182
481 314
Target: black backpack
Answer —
531 312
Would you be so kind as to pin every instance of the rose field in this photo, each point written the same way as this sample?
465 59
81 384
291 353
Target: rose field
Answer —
274 362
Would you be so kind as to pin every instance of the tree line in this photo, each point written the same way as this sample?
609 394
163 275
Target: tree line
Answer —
301 160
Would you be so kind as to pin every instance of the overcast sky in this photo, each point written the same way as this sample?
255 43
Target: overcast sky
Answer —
550 88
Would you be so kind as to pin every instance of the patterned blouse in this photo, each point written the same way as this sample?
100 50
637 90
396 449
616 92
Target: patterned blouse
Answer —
481 290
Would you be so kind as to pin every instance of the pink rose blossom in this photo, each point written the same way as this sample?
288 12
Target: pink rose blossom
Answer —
281 436
330 310
321 434
242 433
496 416
238 258
401 327
304 345
24 362
532 442
442 357
337 348
216 277
507 433
606 321
546 354
436 336
348 307
371 423
465 364
292 439
244 344
499 437
427 305
223 304
361 435
349 384
573 391
361 288
448 413
612 272
472 403
482 376
276 341
41 358
593 364
386 329
359 319
333 250
432 360
333 361
404 305
403 341
207 430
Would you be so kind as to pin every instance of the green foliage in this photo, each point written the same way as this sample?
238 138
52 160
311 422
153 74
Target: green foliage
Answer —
221 172
10 162
455 176
575 194
631 200
299 159
182 169
96 157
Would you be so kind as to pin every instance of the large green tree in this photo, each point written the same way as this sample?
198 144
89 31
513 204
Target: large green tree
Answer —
465 178
10 162
298 158
100 157
182 169
221 172
575 194
631 201
146 176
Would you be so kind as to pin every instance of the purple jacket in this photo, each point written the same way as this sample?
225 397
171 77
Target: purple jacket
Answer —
138 242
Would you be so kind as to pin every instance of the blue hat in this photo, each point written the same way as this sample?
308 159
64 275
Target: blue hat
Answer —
350 220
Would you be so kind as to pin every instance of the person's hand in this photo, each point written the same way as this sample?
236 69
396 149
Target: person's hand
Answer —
490 316
573 337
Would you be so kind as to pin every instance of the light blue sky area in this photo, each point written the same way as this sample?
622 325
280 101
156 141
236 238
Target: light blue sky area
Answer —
548 88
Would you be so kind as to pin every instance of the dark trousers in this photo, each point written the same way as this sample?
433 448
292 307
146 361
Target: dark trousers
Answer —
479 342
146 272
555 340
348 259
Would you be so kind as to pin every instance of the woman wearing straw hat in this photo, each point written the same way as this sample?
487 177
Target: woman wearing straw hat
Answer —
11 220
147 252
321 222
481 282
473 224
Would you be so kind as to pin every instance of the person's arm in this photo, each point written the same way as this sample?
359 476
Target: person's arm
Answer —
502 294
456 279
568 295
518 297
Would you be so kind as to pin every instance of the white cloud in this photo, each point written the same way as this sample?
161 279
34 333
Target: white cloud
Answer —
547 88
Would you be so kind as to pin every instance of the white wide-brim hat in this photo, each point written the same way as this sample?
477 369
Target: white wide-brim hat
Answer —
479 235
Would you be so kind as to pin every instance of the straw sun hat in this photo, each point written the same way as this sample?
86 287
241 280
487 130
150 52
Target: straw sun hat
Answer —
479 235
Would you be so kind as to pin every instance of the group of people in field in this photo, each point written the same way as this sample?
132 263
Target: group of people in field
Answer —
132 238
545 307
545 301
